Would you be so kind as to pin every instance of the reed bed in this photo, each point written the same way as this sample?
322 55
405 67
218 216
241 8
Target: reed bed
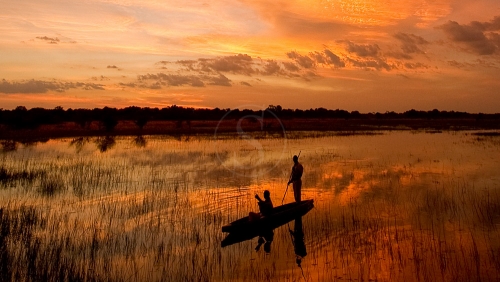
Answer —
388 207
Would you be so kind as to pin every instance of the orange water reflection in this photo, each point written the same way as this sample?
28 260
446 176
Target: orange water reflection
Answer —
399 206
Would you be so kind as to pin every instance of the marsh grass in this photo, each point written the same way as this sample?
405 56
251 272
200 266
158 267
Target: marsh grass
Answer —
154 213
10 178
428 234
51 185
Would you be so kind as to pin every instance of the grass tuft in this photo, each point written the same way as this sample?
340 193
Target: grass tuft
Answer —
52 185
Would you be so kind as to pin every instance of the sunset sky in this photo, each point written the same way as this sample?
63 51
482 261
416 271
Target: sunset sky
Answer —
364 55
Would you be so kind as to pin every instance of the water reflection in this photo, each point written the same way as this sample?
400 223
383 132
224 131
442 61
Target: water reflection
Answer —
265 238
245 228
398 206
12 145
79 143
33 142
139 141
8 145
105 143
298 241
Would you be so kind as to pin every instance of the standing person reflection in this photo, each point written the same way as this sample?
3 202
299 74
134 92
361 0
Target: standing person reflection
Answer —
298 241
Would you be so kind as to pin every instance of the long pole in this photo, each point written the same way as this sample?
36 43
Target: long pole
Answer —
290 178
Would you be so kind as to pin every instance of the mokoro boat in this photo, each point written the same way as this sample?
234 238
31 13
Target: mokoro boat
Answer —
280 215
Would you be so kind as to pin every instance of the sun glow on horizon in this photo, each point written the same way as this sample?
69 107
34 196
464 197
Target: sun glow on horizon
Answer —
336 53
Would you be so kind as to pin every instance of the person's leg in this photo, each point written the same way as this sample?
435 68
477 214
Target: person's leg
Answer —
297 187
294 190
299 194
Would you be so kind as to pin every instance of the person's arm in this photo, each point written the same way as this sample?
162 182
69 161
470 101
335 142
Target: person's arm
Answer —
291 176
258 198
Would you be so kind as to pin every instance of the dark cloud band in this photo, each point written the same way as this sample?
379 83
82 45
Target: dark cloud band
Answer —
40 86
482 38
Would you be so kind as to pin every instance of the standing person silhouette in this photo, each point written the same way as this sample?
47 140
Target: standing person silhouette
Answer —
297 170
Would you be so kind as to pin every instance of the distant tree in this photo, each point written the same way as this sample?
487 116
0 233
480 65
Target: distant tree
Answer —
275 109
434 114
141 121
391 114
109 123
412 114
21 118
355 114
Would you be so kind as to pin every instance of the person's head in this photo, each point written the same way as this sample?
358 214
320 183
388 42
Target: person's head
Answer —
295 159
267 194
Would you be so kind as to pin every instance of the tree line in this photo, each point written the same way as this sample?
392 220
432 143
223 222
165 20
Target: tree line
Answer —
23 118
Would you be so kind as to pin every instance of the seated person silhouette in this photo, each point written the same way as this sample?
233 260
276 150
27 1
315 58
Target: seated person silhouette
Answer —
265 206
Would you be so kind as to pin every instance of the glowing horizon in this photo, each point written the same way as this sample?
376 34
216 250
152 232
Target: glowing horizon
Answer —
369 56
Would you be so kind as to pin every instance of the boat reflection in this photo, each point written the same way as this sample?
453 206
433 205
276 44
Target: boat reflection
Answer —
239 230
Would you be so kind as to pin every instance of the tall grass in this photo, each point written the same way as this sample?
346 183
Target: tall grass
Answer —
383 211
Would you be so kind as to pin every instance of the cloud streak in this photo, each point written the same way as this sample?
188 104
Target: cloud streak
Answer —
411 43
369 50
170 80
40 86
236 64
481 38
50 40
239 64
302 60
243 64
156 81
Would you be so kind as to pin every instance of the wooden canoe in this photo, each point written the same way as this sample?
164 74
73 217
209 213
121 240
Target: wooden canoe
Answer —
280 215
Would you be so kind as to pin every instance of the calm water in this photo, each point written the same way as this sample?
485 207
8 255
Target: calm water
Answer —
393 206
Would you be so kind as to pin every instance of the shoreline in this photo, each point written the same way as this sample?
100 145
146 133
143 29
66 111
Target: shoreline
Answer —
271 126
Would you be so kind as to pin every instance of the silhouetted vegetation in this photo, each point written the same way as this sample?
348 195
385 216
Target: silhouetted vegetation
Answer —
20 123
22 118
109 123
